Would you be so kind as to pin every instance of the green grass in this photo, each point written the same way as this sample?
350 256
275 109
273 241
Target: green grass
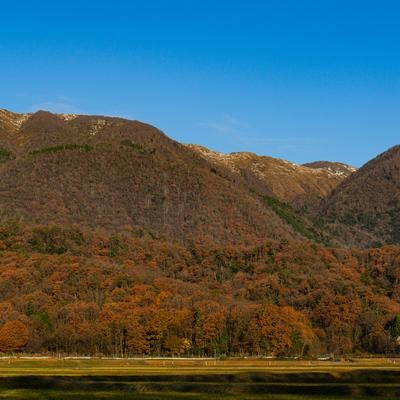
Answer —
55 149
199 379
112 395
135 146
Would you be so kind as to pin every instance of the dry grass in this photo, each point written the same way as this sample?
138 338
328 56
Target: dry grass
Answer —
54 366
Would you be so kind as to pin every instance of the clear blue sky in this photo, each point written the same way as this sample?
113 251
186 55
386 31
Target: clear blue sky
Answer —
301 80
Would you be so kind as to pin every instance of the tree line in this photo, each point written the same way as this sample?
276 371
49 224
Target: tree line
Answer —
70 291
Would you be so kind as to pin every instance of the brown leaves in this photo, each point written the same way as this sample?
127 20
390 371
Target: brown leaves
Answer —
14 336
238 300
282 327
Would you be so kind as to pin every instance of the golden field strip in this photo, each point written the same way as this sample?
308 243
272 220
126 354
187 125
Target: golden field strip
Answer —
148 379
98 366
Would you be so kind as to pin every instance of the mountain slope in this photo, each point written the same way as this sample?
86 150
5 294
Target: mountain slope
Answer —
114 174
336 168
298 185
367 203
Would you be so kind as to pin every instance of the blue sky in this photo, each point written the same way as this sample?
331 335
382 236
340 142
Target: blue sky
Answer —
301 80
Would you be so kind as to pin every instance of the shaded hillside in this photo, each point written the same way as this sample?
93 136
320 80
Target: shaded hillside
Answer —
300 186
116 174
366 206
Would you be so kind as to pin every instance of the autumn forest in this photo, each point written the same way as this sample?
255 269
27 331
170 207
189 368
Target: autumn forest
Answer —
115 240
66 291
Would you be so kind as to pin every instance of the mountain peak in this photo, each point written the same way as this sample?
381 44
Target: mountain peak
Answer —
289 182
13 121
120 175
336 168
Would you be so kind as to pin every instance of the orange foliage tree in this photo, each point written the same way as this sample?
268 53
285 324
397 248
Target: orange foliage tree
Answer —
284 329
14 336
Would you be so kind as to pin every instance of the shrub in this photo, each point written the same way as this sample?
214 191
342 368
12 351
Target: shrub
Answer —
55 149
56 239
117 245
135 146
5 155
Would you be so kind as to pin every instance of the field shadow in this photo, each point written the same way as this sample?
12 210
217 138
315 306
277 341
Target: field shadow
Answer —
350 383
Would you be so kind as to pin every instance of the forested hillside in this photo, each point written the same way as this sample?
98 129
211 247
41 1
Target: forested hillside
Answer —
117 175
64 290
116 240
366 207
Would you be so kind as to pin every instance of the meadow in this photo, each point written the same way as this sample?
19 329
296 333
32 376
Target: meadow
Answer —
198 379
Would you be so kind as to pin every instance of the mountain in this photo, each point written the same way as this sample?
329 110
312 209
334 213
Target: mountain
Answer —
366 205
298 185
336 168
114 174
115 239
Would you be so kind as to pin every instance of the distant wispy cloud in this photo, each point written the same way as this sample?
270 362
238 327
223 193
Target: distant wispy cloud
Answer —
228 126
59 105
235 129
292 141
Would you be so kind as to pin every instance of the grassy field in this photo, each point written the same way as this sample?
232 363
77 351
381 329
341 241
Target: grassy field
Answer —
198 379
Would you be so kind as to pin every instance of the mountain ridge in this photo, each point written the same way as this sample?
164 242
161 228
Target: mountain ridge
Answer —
298 185
114 236
112 173
116 174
